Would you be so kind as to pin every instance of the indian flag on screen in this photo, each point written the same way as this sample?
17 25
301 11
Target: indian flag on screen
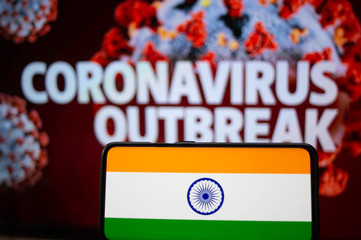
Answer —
207 193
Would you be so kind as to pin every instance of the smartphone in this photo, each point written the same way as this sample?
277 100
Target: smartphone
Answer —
208 191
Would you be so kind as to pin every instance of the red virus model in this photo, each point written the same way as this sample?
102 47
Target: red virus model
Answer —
26 20
268 30
22 144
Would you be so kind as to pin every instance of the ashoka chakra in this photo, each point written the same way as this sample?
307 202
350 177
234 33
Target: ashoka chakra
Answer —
205 196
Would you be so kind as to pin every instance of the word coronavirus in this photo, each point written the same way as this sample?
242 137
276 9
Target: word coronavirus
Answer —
22 144
26 20
250 85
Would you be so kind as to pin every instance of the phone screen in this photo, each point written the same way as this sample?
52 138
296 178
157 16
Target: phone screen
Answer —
208 191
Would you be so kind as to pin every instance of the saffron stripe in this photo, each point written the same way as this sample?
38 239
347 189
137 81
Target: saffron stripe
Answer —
208 160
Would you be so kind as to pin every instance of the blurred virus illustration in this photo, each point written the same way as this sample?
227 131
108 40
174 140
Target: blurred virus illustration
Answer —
267 30
26 20
22 144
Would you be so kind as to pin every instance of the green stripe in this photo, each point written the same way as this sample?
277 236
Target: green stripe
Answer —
164 229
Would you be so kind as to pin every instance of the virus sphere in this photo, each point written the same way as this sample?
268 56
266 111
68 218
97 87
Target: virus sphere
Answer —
267 30
26 20
22 144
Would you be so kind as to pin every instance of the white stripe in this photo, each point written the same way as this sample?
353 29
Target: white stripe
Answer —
247 197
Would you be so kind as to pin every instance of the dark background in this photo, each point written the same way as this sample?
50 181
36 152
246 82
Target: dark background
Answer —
67 195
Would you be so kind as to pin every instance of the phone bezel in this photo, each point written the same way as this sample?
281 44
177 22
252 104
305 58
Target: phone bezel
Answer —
310 149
